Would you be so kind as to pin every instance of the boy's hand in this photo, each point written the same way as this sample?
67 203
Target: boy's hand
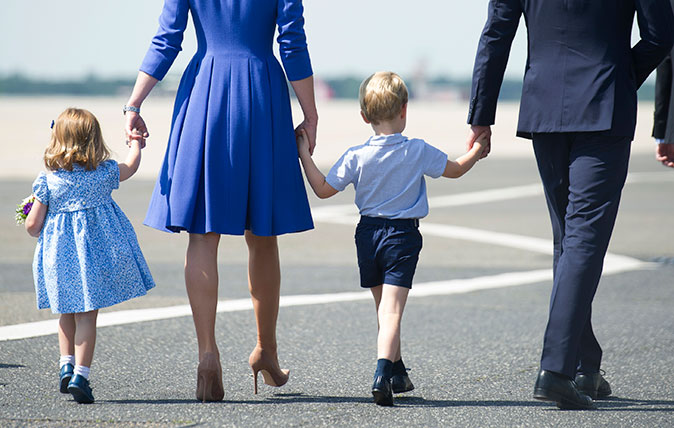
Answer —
480 144
477 132
302 142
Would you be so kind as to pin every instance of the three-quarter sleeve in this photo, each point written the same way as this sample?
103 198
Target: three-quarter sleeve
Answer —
40 189
292 40
166 44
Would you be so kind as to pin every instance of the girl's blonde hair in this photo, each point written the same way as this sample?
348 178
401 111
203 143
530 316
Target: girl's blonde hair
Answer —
76 139
382 96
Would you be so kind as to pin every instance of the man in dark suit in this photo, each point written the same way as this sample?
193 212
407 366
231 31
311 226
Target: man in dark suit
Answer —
579 107
663 125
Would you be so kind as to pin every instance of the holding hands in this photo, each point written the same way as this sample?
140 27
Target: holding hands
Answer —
482 133
135 128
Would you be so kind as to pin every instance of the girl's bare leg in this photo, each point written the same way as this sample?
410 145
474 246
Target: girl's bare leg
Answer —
85 337
66 334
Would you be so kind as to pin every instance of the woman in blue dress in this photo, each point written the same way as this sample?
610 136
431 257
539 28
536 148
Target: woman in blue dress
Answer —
231 164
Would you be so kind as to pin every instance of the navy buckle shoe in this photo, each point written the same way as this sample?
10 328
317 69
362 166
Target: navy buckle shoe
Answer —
65 376
382 392
401 383
80 389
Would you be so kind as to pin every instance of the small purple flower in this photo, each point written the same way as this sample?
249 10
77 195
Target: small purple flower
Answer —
27 207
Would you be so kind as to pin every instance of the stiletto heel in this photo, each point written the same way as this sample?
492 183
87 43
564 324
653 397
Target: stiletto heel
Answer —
209 379
273 375
255 381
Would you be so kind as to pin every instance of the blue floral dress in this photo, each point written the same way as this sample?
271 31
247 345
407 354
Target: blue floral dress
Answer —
87 255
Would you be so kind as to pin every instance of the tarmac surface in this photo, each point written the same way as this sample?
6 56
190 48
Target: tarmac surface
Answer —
473 354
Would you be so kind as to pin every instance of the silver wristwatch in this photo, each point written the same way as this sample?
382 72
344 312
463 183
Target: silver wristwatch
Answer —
130 108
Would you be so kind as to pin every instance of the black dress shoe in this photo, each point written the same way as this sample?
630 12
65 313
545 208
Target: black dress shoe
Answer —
593 385
551 386
401 383
382 391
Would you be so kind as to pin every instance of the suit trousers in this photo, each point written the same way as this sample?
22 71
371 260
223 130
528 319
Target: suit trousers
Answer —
583 174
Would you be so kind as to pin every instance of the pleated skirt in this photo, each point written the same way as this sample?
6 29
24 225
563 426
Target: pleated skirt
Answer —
231 163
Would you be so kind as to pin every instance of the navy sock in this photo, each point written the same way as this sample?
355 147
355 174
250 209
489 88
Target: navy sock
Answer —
399 368
384 368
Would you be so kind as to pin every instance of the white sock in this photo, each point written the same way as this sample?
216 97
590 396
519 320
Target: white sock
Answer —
82 371
66 359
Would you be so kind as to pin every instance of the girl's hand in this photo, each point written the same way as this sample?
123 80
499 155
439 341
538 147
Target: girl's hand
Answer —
135 128
309 127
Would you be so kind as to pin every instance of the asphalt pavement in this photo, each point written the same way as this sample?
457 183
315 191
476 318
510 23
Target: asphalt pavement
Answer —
473 356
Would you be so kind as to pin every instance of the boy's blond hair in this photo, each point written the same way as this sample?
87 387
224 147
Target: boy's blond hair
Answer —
76 139
382 96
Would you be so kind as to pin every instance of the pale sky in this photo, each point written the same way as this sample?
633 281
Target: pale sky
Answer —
72 38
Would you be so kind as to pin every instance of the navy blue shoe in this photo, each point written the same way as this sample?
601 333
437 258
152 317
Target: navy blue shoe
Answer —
79 388
65 376
382 392
401 383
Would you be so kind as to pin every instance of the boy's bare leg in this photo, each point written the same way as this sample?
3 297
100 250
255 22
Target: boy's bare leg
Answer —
390 313
376 294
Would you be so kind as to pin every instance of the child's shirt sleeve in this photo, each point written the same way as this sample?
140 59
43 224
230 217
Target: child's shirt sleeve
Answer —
343 172
112 174
40 189
434 161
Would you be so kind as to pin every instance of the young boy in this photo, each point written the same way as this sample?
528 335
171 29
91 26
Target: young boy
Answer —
388 175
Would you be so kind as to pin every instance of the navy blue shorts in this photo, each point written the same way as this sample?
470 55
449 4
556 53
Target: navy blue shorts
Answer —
388 251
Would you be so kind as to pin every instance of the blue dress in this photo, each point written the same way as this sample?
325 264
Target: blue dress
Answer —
231 163
87 256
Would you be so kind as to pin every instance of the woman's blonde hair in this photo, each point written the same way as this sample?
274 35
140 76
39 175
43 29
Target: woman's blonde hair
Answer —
382 96
76 139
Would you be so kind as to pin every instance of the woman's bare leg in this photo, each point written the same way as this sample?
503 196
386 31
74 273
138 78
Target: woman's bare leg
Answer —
264 283
201 281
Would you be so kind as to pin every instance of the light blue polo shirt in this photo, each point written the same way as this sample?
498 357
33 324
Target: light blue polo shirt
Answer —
388 175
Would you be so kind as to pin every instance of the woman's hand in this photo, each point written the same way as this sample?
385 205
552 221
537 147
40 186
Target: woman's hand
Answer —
309 127
135 128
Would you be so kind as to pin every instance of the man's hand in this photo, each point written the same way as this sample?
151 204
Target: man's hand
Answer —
482 132
665 153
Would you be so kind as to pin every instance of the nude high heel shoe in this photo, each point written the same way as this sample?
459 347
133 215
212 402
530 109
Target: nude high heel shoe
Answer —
209 379
262 361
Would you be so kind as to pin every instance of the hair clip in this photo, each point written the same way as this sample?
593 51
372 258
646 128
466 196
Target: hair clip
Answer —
52 124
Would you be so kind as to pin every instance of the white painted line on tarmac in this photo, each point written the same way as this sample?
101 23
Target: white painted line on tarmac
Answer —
347 214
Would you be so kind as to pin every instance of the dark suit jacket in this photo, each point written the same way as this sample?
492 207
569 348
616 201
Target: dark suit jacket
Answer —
582 73
663 124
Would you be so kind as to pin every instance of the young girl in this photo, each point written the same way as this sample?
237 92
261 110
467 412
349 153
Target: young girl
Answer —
87 254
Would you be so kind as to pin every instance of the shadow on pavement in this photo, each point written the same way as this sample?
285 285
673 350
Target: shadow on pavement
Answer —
611 404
